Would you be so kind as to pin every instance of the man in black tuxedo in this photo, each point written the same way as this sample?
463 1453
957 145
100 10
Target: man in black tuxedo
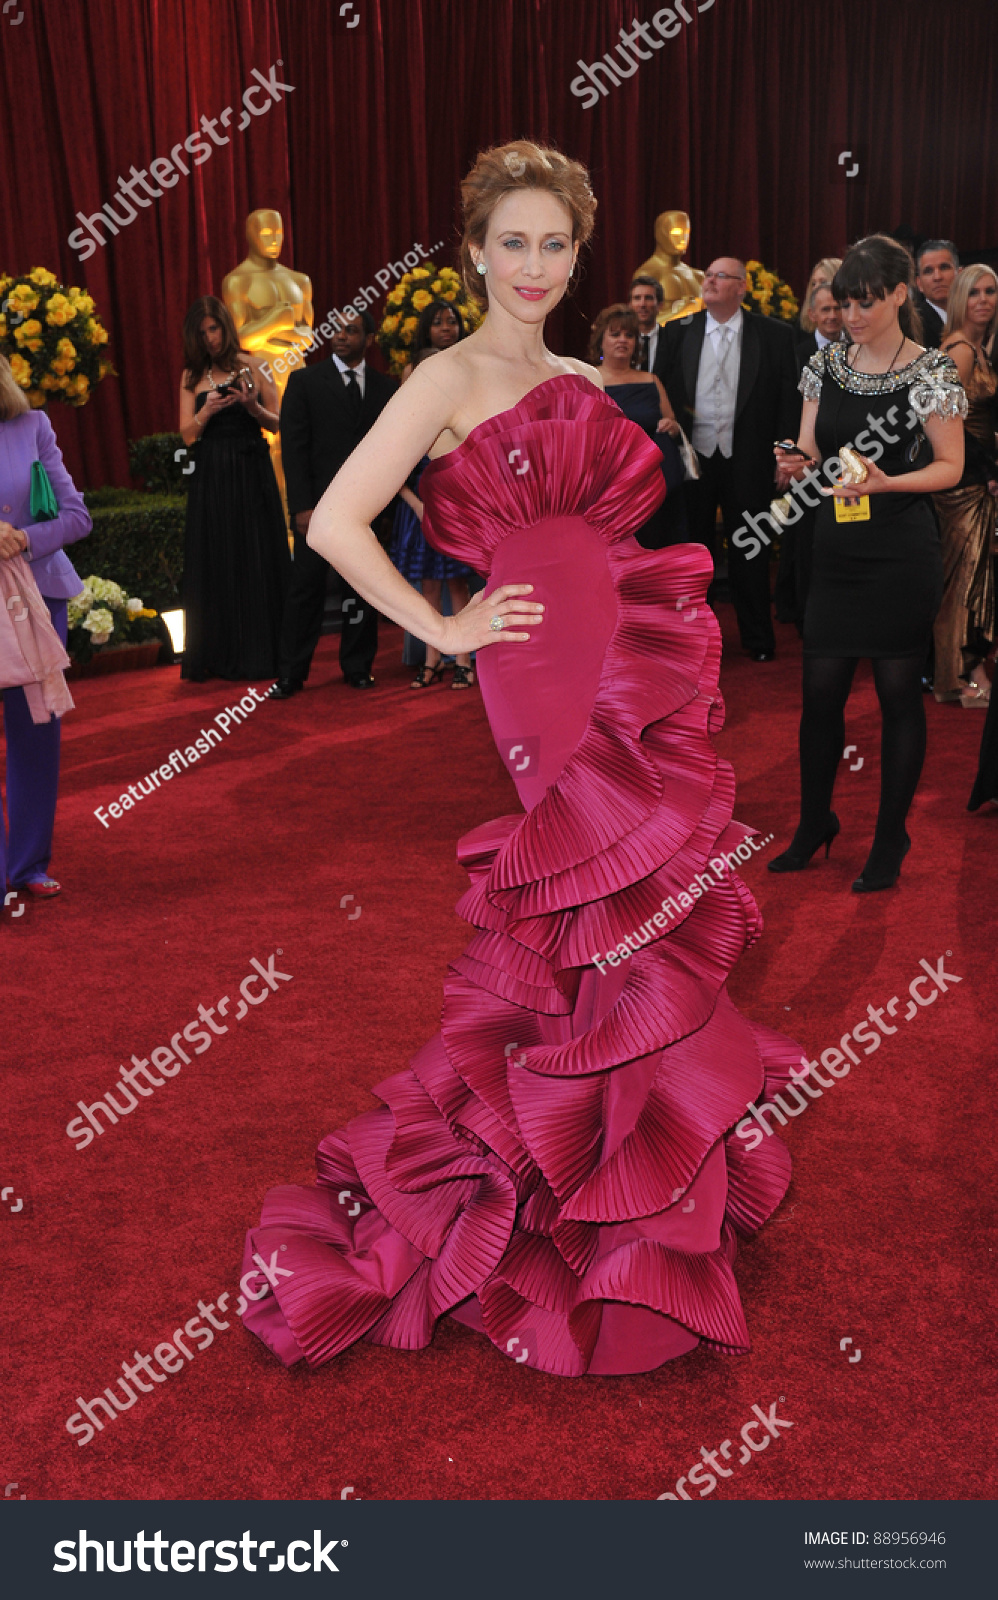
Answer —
732 380
936 266
327 410
646 298
793 577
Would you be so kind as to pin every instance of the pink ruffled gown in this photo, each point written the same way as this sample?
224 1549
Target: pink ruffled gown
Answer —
531 1172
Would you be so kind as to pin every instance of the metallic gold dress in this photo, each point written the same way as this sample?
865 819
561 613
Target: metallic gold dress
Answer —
965 625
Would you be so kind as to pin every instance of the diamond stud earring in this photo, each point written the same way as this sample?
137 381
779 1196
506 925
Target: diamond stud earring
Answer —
482 267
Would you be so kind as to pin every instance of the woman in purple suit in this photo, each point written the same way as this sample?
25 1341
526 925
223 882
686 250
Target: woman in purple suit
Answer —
33 748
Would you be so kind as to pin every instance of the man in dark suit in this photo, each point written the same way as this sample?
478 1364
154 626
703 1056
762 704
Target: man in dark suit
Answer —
793 577
936 266
732 380
327 410
646 298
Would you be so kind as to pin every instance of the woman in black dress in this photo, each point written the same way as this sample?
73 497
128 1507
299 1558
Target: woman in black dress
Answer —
877 577
236 558
642 398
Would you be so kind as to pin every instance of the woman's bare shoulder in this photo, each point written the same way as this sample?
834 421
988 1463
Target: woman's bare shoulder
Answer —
584 370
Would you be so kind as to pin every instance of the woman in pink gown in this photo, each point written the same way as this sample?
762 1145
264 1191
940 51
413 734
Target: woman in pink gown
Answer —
559 1167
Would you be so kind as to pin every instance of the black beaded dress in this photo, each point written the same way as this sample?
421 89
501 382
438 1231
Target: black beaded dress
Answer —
877 584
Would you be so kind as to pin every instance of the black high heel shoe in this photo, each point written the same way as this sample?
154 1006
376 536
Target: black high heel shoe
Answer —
796 858
871 882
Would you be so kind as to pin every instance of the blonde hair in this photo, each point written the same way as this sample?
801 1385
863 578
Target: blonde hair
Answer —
508 169
959 299
824 271
13 400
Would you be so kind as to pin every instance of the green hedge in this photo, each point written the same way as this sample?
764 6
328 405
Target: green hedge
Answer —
152 460
137 541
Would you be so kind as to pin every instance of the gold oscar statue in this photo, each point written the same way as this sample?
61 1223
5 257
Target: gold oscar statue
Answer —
271 307
680 282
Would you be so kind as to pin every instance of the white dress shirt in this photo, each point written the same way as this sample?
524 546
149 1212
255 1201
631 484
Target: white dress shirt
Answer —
360 370
717 386
652 345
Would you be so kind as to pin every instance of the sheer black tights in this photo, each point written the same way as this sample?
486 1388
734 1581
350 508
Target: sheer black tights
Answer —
827 682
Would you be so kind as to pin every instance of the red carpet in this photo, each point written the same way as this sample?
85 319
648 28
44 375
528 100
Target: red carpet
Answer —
248 854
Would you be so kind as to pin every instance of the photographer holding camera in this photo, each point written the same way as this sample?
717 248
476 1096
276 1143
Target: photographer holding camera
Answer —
236 559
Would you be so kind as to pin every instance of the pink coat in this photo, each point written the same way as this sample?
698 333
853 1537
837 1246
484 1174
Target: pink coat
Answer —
32 657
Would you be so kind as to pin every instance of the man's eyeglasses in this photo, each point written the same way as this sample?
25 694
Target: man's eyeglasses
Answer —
718 277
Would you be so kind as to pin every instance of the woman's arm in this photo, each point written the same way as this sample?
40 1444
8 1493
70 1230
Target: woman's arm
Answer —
789 467
260 396
73 521
668 424
412 501
191 426
945 434
340 528
962 357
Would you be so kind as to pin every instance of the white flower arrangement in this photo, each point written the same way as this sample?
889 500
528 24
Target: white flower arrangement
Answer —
103 611
99 623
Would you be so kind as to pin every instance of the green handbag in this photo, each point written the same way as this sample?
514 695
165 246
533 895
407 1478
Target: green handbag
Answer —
44 505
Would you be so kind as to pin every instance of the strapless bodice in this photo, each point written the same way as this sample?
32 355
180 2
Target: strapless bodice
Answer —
565 450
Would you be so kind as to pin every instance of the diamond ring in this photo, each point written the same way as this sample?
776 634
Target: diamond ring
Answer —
497 624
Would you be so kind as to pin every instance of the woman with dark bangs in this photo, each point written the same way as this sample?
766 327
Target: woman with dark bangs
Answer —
877 576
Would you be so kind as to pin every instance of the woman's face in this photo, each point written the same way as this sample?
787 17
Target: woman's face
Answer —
868 319
213 335
444 330
982 301
618 346
529 254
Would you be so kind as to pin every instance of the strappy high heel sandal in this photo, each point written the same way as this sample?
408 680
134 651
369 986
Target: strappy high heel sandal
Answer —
464 677
427 676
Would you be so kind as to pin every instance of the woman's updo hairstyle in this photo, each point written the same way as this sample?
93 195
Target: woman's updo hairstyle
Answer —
507 169
872 269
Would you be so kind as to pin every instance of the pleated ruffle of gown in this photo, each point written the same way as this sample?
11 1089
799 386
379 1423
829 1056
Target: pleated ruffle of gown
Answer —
559 1166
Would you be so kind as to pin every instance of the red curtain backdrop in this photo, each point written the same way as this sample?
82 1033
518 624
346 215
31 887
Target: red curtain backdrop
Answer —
739 118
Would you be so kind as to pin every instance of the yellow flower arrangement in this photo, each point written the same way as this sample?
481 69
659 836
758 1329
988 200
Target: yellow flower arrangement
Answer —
41 356
60 311
411 295
765 287
27 335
